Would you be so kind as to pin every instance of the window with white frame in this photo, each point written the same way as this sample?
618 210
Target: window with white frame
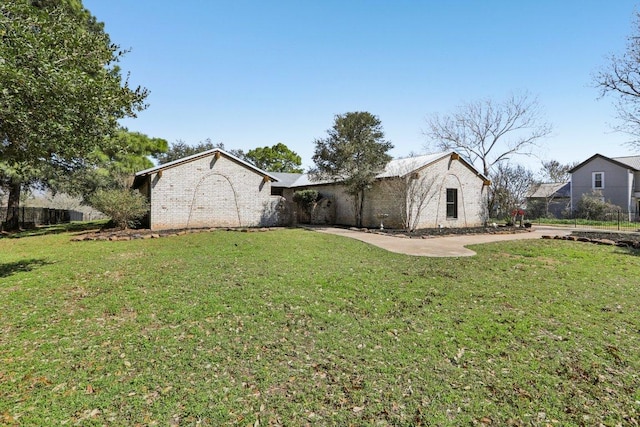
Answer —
452 203
597 179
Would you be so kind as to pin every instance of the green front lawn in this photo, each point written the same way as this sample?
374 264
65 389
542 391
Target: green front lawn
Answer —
294 327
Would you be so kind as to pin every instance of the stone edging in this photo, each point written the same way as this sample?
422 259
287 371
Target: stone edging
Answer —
621 243
148 234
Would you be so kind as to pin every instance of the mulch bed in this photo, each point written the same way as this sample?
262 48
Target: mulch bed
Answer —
427 233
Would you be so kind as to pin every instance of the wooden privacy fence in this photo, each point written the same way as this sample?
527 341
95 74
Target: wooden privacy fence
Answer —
32 217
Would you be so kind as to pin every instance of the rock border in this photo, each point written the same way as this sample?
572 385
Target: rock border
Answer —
126 235
623 243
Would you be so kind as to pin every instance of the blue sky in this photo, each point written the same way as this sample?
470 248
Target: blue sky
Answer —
255 73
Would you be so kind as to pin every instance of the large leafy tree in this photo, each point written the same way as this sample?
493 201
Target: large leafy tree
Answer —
62 92
353 153
112 167
277 158
127 153
621 78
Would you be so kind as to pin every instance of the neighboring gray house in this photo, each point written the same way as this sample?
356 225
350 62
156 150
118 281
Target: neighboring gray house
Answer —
209 189
429 191
550 199
614 179
217 189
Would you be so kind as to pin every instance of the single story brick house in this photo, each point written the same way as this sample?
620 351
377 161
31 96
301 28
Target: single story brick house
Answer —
209 189
217 189
427 191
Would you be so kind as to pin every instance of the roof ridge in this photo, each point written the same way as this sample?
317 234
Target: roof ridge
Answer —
626 157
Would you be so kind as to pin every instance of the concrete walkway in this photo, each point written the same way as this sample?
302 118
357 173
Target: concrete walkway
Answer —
448 246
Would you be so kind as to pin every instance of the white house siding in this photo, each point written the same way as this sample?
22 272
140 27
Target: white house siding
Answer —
440 175
210 192
384 198
635 200
472 195
616 183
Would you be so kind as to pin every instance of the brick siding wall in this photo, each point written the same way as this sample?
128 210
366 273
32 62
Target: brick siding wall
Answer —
385 197
210 192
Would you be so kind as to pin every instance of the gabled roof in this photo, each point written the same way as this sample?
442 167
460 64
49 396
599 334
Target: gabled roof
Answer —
629 162
197 156
405 166
285 179
395 168
555 189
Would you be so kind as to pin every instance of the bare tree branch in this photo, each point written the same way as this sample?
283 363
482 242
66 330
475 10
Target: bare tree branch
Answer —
416 188
487 132
621 78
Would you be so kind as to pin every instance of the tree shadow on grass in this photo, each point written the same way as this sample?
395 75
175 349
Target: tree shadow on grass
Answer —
25 265
58 228
629 251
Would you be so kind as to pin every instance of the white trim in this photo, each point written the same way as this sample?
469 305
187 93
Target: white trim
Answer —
593 180
205 154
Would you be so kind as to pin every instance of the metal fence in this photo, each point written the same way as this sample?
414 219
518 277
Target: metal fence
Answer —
614 220
32 217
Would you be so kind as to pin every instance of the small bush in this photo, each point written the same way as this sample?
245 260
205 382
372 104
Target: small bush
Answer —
124 207
306 198
537 209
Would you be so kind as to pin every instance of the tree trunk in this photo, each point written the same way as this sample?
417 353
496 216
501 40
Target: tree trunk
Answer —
359 205
12 220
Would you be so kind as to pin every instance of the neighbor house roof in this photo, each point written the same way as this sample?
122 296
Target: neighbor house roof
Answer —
556 189
395 168
200 155
631 162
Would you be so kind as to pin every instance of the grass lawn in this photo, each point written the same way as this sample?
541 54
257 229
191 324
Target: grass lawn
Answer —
294 327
